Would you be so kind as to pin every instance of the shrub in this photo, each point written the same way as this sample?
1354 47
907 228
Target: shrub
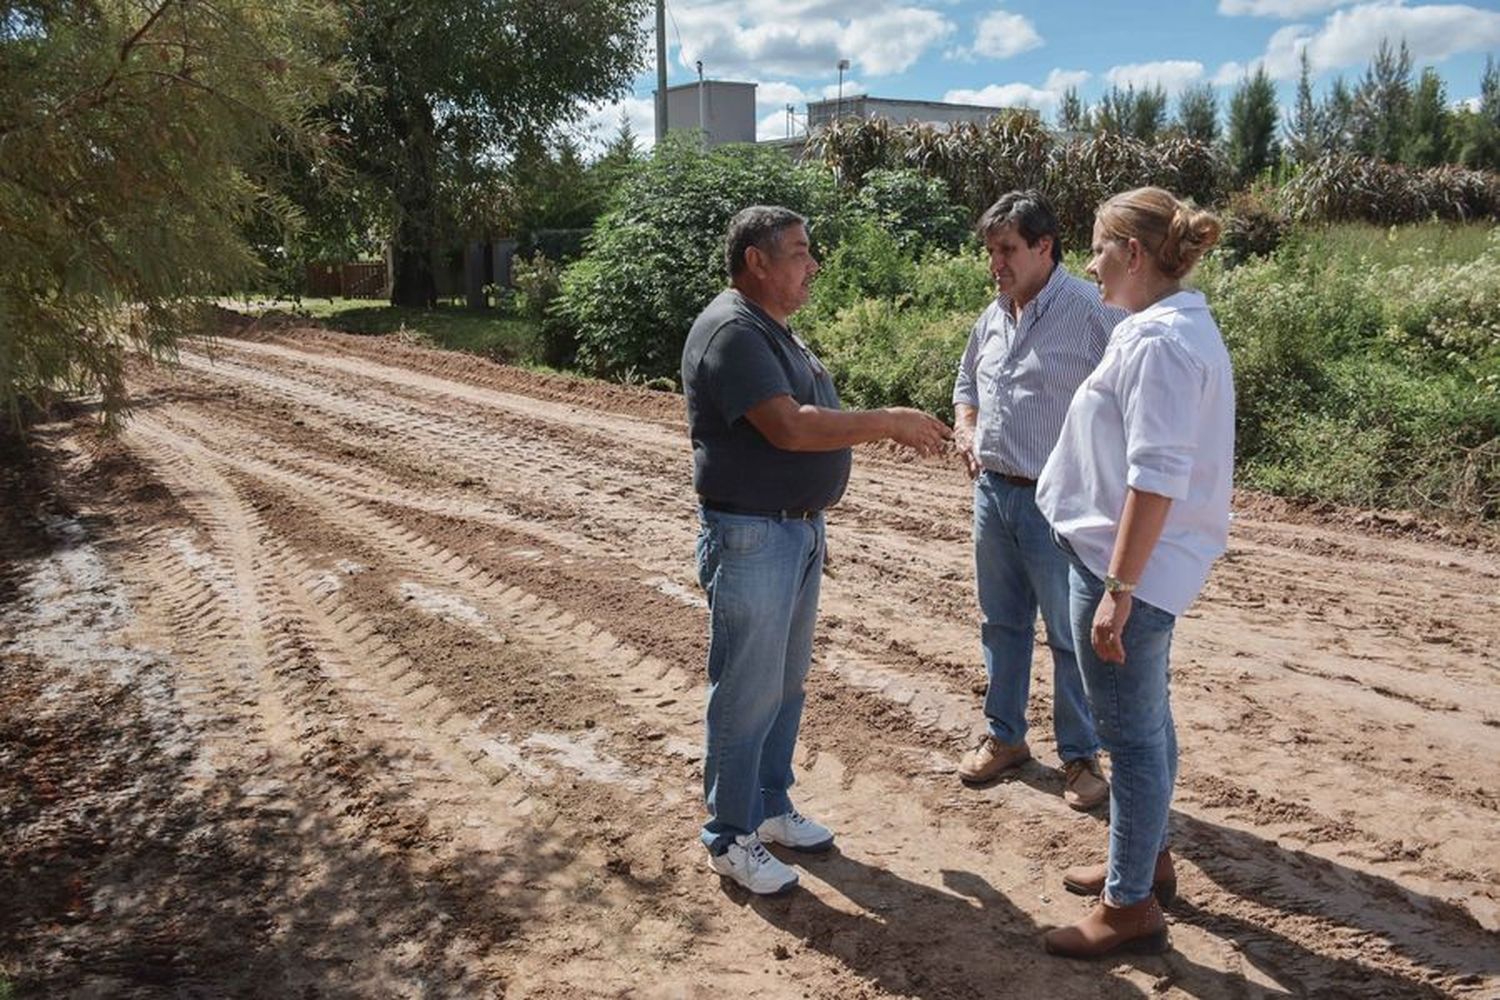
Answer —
538 281
656 259
912 208
1254 225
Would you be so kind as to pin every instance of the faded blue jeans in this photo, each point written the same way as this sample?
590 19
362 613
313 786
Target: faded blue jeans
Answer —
1133 709
1019 569
761 575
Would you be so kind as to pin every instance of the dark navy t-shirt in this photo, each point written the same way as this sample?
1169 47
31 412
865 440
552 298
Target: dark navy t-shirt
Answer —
737 357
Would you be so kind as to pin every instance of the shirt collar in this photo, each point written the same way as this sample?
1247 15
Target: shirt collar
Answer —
1038 305
1182 301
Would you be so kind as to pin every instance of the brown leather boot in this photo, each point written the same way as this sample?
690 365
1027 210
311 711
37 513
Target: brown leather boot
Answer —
1139 927
1088 880
990 757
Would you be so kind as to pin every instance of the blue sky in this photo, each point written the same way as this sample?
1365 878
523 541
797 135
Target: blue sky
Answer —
1027 52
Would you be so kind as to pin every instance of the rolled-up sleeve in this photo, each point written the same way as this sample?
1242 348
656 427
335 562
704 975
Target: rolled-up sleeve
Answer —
966 385
1161 390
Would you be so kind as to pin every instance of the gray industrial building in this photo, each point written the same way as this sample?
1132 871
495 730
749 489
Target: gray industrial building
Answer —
899 110
723 108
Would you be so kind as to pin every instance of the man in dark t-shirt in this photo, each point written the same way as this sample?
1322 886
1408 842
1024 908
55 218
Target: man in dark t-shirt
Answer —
771 450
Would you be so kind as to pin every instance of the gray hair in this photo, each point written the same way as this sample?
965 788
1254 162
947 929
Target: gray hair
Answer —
1032 215
758 226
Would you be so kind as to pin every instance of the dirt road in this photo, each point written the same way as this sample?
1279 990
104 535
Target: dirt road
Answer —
358 669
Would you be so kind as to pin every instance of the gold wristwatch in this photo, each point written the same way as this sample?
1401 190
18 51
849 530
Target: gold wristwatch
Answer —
1115 585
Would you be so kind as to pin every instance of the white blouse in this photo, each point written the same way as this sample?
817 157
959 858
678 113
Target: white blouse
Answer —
1156 415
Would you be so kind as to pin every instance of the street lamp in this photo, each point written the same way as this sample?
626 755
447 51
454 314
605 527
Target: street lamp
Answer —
843 65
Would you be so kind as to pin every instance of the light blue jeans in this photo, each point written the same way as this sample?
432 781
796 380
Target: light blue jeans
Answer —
1133 709
761 575
1019 569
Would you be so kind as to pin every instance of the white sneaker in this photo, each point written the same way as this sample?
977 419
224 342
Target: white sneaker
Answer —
796 831
749 863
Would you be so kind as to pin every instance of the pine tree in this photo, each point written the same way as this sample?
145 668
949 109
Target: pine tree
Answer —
1306 133
1382 104
1481 128
1198 113
1427 127
1337 114
1072 116
1252 126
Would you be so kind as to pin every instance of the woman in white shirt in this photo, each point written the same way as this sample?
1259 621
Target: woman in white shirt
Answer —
1137 491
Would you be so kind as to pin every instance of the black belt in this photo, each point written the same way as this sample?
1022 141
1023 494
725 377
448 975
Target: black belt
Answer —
790 514
1021 481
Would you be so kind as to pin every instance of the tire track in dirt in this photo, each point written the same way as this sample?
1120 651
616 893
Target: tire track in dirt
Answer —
890 561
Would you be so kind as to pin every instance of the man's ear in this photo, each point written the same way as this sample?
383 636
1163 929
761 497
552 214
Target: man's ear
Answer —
1047 246
755 260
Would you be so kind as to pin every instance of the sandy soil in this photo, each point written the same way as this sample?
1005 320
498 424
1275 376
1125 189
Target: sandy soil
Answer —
357 669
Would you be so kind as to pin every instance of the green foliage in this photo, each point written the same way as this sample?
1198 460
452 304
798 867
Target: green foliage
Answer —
1426 143
1140 114
1198 113
448 87
657 257
1254 224
913 208
503 338
538 282
1368 377
1252 126
132 145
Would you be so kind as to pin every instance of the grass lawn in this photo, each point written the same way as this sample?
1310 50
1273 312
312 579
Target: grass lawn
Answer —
490 332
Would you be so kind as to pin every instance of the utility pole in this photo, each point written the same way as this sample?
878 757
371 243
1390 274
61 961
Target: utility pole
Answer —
661 70
702 108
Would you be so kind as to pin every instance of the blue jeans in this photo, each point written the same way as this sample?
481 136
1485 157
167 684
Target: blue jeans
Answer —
761 575
1020 569
1133 710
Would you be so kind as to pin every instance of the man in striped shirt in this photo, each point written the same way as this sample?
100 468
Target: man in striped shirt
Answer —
1028 352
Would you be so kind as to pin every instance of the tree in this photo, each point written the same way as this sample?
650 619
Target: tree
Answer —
1140 114
1480 129
1382 104
450 86
1072 115
1427 140
1337 114
1252 126
1306 133
1198 113
134 145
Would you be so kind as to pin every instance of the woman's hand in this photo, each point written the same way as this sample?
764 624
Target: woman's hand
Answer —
1109 627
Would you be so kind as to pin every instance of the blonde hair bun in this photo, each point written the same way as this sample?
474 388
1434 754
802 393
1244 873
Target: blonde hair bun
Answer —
1173 232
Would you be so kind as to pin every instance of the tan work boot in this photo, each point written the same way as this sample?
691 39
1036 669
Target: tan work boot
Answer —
1088 880
1084 786
990 757
1138 928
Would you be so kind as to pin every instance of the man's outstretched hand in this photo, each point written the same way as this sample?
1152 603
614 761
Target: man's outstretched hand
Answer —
923 433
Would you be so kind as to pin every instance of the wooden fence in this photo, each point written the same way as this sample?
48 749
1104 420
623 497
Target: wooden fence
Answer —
351 280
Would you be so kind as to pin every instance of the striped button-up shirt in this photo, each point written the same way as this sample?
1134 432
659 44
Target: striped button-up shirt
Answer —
1021 376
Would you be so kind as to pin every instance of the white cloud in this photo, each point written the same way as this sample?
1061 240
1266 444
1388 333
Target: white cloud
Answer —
1060 80
1287 9
851 88
1171 75
1002 34
804 37
773 126
778 93
1432 32
601 122
1023 95
1006 95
